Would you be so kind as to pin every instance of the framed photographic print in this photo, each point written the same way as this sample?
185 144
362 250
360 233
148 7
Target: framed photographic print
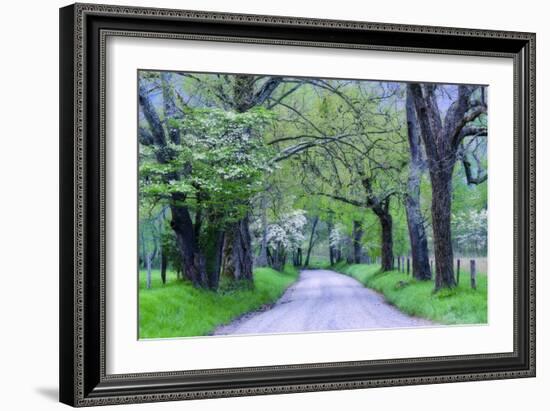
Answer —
260 204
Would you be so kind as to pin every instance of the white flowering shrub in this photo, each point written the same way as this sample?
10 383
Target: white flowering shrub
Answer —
335 237
221 160
288 233
470 231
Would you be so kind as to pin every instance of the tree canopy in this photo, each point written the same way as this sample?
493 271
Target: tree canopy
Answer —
238 171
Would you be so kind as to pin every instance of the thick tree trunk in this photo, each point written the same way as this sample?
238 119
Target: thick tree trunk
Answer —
386 225
213 246
194 267
441 140
311 236
381 208
419 242
357 247
415 222
441 223
237 251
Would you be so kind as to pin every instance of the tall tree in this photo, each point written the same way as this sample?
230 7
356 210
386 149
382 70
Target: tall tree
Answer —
354 150
415 220
182 224
380 205
442 136
207 181
237 248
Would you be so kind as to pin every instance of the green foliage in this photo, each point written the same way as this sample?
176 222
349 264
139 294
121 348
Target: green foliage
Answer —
178 309
461 305
220 165
227 166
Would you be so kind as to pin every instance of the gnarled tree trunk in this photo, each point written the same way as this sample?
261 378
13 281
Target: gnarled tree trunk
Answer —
237 251
441 223
194 266
441 140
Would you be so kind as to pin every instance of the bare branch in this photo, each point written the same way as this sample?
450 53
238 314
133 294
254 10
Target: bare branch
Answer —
285 95
469 116
298 148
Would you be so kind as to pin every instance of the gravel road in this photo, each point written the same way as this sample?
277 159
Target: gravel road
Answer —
323 300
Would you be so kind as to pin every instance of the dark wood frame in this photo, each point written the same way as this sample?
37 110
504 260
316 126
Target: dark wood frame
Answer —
83 30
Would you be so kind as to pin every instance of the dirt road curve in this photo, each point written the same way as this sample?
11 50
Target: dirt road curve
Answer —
323 300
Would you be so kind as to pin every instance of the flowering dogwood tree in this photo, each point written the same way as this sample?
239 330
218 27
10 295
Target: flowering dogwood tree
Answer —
208 180
285 236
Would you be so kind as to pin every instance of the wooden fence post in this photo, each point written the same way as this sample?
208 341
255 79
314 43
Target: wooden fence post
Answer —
408 265
473 274
457 271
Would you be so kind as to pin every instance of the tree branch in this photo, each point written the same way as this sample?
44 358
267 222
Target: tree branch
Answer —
298 148
266 91
342 199
285 95
469 116
157 131
480 178
473 131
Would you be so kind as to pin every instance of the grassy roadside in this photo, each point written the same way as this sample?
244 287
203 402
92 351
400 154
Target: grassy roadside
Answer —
461 305
177 309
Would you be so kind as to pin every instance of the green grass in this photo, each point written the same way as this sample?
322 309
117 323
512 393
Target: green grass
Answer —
178 309
461 305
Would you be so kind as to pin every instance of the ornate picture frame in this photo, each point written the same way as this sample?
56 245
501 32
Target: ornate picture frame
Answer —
84 29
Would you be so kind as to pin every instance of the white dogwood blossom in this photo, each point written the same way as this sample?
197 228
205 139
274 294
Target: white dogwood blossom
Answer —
288 231
335 236
470 230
